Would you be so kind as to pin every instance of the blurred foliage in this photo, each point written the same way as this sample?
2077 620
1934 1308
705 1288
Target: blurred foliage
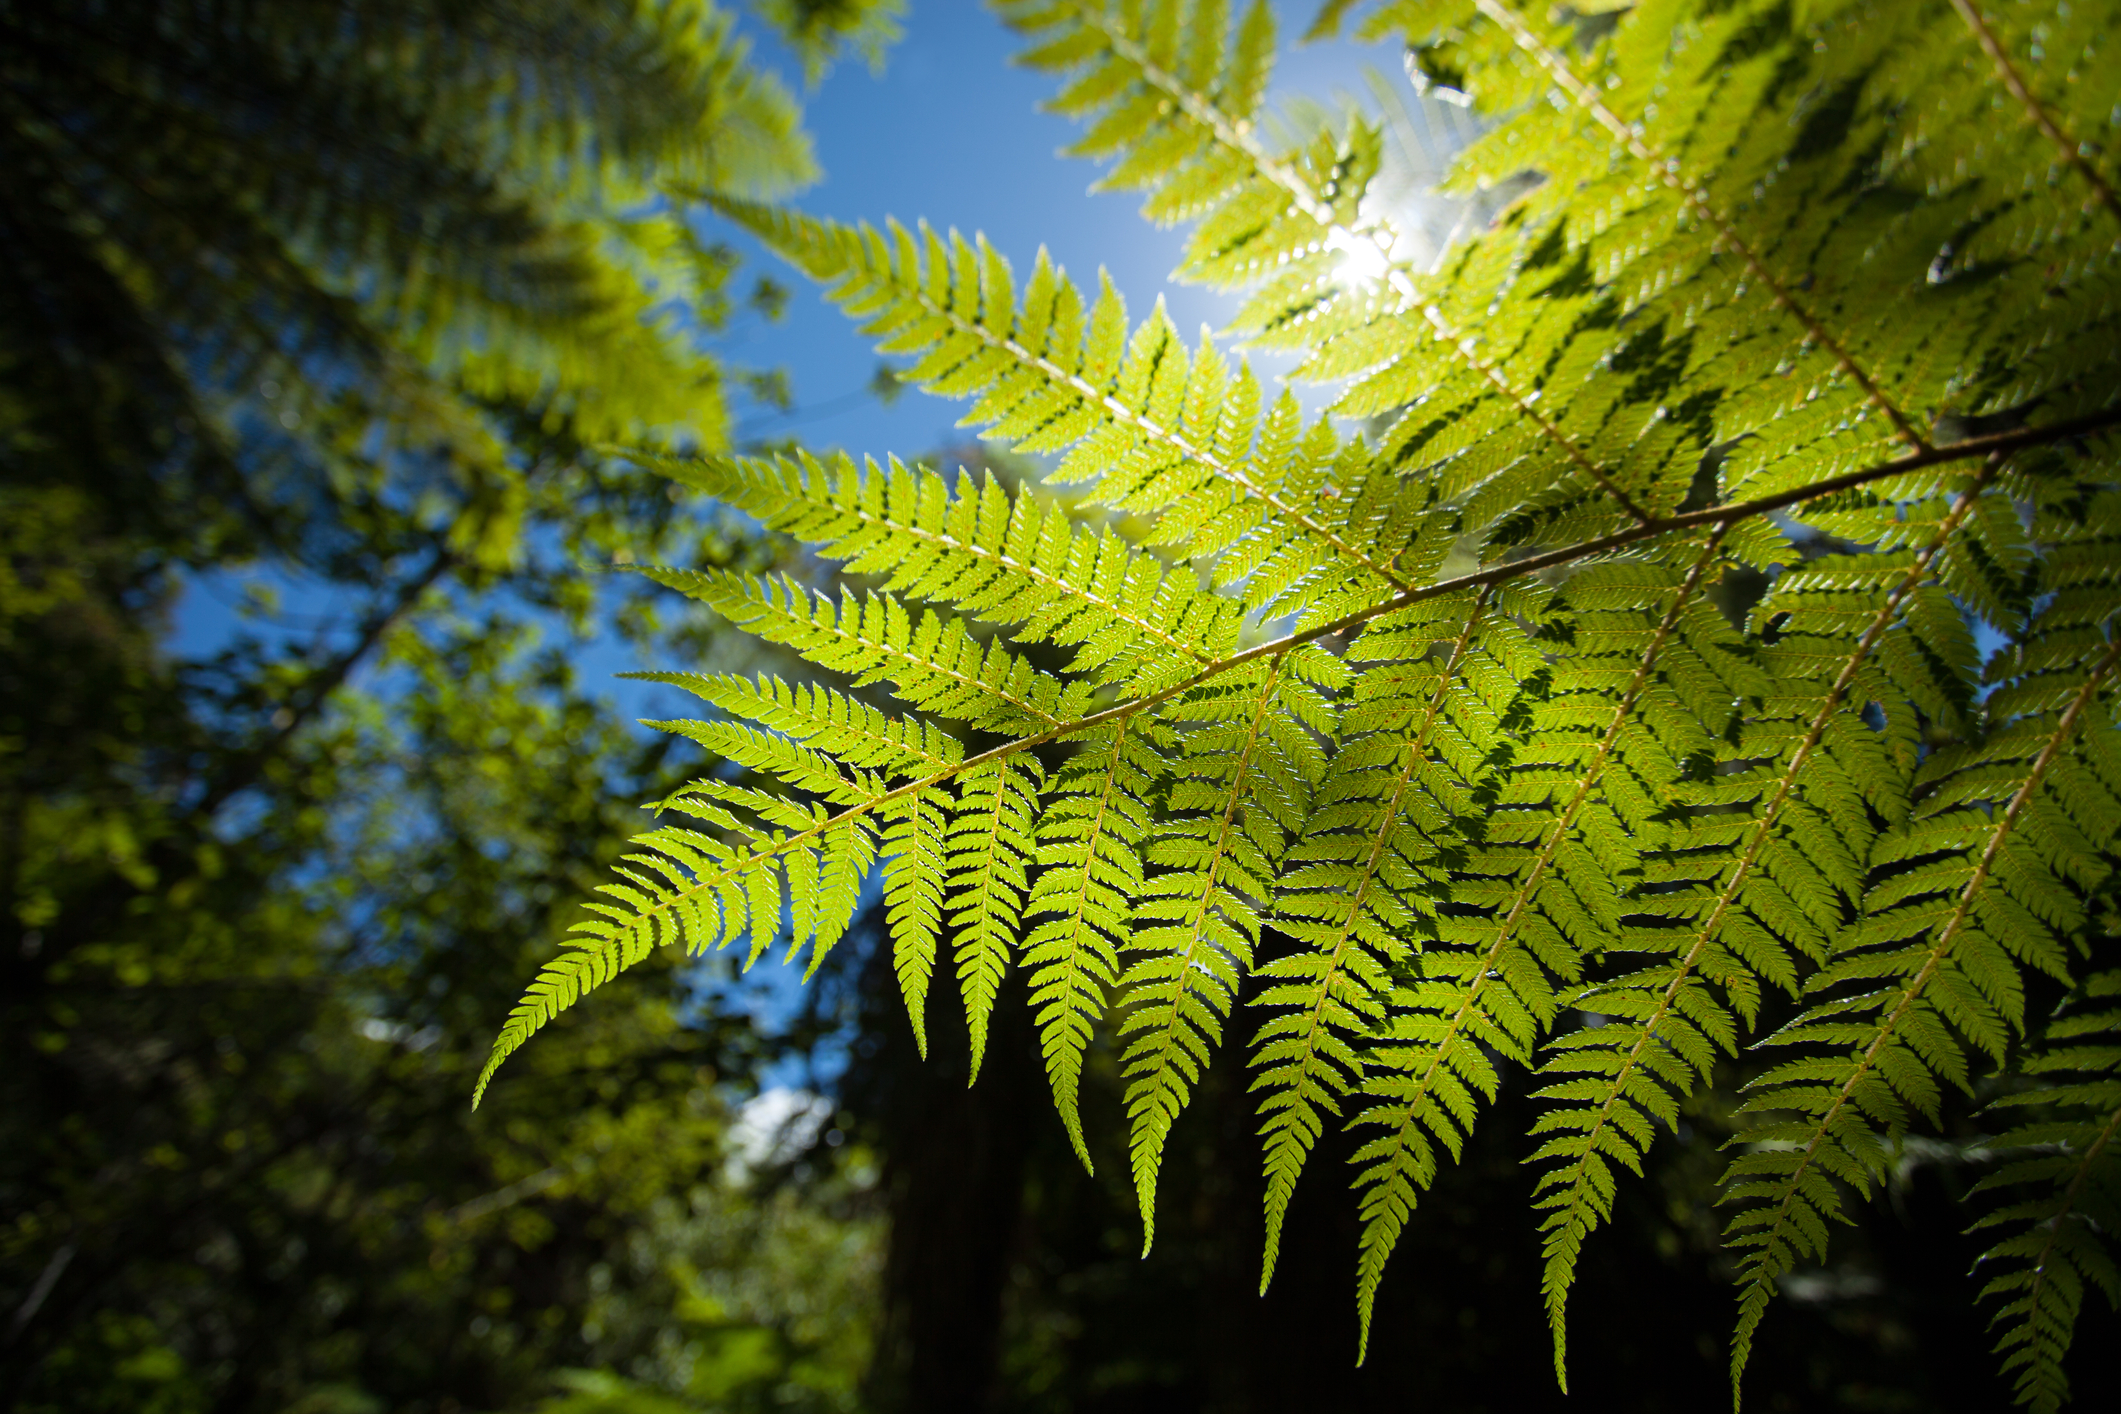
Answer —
824 31
321 306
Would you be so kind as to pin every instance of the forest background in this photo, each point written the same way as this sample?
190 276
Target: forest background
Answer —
314 318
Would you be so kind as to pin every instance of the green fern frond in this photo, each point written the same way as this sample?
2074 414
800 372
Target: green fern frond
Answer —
1159 430
1011 560
1282 222
987 858
933 662
1495 990
1090 836
1356 894
2064 1171
1762 894
913 897
697 890
1940 941
1638 657
843 727
1170 92
1240 789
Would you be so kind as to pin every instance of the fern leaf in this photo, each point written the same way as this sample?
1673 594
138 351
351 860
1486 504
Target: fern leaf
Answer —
913 897
1349 898
934 663
988 854
682 886
1290 215
1154 425
1090 851
1010 560
1943 967
845 727
1665 1024
1239 791
2063 1169
1696 196
1493 990
1472 703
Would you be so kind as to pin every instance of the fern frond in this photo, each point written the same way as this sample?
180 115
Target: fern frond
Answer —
1634 660
1240 788
1633 138
1281 221
913 897
933 662
1352 895
684 887
1665 1023
1495 989
1939 941
2038 111
987 856
1010 560
1161 93
844 727
2063 1169
1090 835
1160 430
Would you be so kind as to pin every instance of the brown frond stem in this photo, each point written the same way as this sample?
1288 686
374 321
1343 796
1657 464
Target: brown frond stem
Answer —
1719 516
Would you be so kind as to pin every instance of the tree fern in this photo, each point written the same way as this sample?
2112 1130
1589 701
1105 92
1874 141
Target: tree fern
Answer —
1454 735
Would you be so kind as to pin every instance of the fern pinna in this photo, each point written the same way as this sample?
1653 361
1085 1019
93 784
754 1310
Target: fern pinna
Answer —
1442 735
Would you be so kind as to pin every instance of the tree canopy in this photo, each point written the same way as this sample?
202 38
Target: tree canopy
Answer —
323 307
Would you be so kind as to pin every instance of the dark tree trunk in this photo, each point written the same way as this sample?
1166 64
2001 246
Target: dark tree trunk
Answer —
954 1175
